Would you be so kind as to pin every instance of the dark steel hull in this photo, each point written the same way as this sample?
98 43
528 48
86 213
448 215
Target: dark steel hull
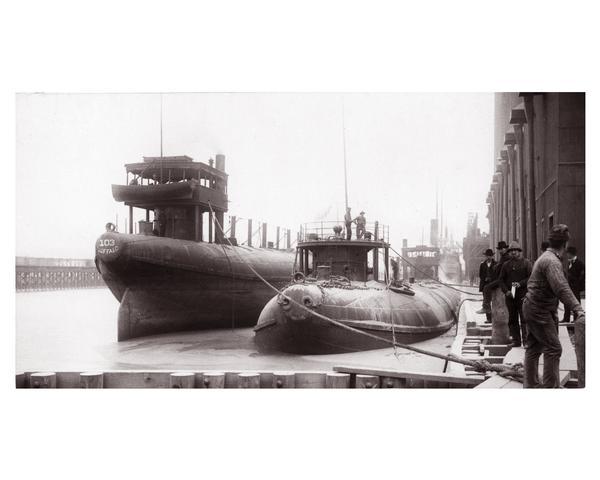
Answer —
167 285
426 315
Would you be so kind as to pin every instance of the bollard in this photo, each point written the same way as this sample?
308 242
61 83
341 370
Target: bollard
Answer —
43 380
367 381
91 380
214 380
266 379
249 380
580 350
337 380
392 382
182 380
20 380
500 334
284 380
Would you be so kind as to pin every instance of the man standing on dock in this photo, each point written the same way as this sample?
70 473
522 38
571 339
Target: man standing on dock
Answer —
513 282
547 285
486 308
486 274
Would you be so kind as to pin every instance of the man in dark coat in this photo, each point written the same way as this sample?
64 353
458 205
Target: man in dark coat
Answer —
513 282
348 222
486 308
575 277
486 274
546 286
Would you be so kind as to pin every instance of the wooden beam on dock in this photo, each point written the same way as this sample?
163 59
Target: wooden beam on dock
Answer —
417 376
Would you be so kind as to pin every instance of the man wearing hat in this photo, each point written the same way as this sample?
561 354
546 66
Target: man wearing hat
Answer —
348 221
486 308
361 225
486 274
575 277
546 286
513 282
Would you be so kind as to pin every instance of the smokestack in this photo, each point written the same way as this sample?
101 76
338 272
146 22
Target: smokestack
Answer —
220 162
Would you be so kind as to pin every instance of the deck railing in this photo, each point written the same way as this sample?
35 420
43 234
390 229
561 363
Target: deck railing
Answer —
374 231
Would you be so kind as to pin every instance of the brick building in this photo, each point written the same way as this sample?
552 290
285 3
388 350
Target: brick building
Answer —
539 176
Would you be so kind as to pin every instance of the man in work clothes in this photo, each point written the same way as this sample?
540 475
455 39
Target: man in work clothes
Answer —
546 286
361 225
348 221
575 277
486 308
513 282
486 274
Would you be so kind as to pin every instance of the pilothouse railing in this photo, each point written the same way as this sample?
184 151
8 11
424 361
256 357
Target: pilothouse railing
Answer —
311 231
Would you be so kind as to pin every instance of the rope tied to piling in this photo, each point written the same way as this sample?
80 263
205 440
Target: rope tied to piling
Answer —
483 366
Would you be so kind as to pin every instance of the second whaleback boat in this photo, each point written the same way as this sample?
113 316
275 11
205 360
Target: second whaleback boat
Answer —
340 280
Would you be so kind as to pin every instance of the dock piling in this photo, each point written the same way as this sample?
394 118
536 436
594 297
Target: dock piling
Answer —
337 380
182 380
91 380
284 380
214 380
391 382
580 351
43 380
367 381
249 380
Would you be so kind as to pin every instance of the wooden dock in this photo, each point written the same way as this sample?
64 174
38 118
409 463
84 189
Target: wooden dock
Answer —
340 377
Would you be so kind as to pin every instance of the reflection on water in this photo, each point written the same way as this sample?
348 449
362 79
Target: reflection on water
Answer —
77 330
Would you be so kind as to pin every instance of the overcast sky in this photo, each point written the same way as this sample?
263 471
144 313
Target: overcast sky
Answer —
284 157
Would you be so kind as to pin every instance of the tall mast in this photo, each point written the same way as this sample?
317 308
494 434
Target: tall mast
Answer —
345 164
161 138
161 125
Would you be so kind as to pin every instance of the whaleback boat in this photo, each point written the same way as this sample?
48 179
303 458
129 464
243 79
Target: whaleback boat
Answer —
348 281
172 275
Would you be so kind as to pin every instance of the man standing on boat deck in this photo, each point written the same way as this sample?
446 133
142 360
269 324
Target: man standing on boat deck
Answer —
546 286
513 282
361 225
348 221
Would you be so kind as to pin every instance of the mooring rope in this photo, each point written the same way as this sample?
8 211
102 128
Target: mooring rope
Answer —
510 371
